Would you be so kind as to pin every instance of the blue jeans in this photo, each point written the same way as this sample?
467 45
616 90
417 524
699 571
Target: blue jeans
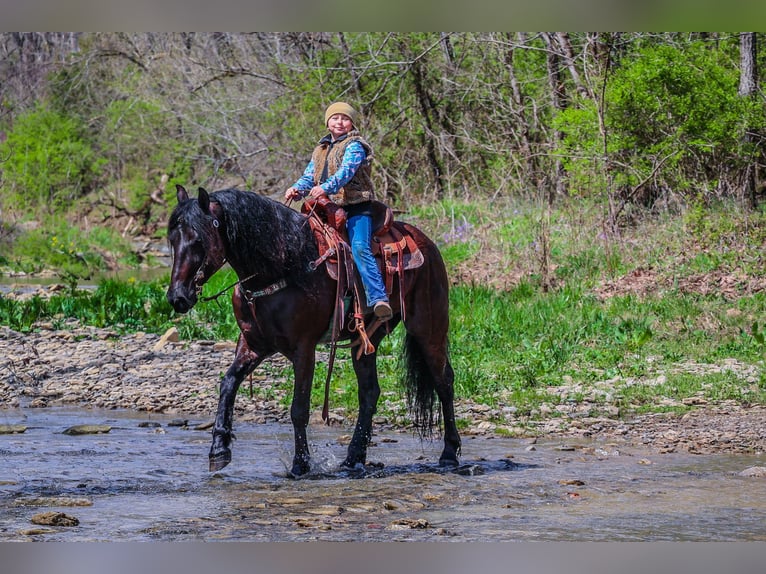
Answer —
360 236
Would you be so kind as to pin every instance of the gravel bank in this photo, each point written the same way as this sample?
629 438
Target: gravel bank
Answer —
98 368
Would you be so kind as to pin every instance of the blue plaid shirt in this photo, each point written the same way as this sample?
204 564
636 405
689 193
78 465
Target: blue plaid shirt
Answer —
353 157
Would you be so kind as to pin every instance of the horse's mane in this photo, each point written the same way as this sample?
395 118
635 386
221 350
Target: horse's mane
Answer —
264 237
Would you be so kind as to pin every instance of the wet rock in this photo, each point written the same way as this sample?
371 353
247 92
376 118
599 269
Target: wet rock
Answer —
754 471
291 501
362 508
312 523
12 429
571 482
87 429
54 519
36 531
409 524
178 423
469 470
329 510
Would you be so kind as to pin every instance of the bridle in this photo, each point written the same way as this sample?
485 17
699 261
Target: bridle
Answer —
249 295
199 275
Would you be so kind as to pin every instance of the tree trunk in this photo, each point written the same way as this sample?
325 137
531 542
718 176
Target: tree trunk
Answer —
748 88
520 122
748 76
558 99
566 49
428 112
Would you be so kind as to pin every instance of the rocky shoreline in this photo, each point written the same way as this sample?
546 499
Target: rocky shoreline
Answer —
98 368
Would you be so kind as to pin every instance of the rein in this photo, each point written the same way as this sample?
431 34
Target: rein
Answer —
250 295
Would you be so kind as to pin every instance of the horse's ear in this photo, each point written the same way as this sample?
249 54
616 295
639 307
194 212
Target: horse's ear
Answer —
204 200
181 194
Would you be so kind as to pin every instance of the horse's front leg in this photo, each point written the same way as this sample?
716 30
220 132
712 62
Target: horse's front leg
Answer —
245 360
303 366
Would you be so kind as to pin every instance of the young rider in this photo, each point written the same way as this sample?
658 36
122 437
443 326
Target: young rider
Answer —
340 168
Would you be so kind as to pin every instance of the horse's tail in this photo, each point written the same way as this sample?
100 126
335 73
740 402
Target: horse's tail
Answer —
420 387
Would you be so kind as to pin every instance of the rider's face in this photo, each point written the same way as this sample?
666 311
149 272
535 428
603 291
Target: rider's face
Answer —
339 124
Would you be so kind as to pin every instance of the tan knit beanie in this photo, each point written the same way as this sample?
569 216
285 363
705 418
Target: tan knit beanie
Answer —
341 108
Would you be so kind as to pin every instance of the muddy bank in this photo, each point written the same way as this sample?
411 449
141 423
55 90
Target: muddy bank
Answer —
97 368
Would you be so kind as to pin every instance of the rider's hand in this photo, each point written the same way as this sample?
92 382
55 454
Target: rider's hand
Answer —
317 192
293 193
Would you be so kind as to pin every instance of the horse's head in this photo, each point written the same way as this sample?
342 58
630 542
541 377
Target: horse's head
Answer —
197 246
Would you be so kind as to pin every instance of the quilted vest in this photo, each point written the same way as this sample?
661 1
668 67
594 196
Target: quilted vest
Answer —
329 155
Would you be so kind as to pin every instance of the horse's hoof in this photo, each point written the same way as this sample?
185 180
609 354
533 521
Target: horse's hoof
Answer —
452 462
352 464
219 462
299 469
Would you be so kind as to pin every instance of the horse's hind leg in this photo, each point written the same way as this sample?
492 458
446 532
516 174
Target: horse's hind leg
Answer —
445 390
245 361
429 365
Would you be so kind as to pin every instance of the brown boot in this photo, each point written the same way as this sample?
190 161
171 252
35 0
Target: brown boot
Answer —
383 310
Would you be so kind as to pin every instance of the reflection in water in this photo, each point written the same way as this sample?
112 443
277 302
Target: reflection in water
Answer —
151 483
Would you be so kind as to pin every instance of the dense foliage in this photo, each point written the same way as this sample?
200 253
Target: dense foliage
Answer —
49 161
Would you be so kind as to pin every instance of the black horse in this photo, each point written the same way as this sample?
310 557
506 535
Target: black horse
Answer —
283 304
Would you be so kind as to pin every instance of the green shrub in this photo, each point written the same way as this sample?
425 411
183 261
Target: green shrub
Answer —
49 161
669 111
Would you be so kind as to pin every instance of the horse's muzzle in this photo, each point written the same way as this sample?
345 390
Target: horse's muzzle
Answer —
180 301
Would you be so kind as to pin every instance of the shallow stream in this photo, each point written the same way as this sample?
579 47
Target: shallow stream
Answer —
147 479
